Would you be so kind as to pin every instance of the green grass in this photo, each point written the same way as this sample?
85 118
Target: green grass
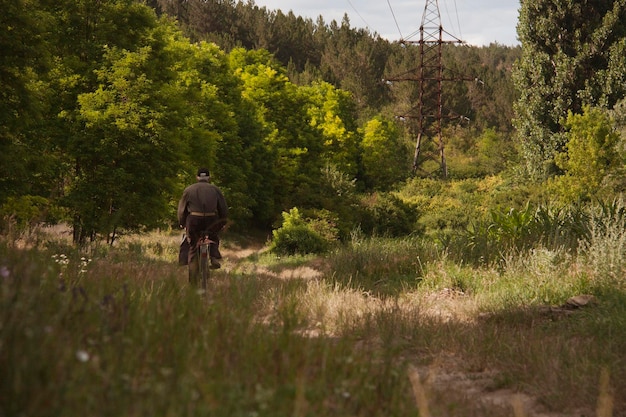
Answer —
118 331
131 338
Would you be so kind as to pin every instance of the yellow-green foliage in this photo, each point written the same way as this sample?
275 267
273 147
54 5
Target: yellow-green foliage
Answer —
472 154
591 156
384 156
300 235
450 205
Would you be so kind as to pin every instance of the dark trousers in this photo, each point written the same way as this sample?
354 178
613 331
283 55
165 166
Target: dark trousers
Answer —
196 226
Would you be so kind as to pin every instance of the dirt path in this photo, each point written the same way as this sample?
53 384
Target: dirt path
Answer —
442 380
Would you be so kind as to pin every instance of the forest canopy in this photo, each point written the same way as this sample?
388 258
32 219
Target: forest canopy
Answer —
109 107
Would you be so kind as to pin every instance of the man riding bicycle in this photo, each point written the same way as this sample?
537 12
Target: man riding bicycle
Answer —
202 208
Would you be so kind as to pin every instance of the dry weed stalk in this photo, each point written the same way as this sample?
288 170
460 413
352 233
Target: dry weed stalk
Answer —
419 390
605 401
518 406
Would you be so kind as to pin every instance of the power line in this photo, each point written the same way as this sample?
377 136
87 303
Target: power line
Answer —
394 19
458 21
450 18
359 14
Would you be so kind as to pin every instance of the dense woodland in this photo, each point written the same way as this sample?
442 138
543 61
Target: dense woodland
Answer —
108 108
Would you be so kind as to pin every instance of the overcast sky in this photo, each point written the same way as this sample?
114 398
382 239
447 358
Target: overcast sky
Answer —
477 22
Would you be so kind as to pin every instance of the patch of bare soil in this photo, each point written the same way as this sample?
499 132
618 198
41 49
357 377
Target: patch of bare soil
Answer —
448 379
444 380
235 252
236 256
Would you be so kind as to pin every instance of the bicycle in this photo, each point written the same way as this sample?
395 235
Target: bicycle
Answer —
203 251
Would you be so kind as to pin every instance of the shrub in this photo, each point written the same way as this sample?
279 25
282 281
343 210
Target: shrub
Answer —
591 156
27 211
604 249
387 215
299 235
21 217
519 230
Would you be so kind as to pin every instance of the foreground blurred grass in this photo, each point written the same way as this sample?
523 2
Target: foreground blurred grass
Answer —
129 337
119 332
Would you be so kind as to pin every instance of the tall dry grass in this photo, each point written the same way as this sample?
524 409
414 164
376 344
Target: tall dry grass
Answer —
387 327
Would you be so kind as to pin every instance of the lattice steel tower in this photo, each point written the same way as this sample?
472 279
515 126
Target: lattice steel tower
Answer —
429 112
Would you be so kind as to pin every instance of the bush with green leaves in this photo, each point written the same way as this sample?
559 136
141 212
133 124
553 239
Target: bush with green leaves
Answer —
573 228
385 214
590 158
301 235
22 214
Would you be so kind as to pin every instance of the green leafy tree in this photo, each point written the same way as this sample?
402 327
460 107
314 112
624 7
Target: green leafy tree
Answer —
385 158
130 151
331 111
81 42
294 147
494 152
573 54
25 56
172 106
219 129
337 194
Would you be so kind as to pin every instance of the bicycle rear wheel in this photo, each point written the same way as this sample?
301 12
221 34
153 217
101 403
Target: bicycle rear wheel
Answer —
203 260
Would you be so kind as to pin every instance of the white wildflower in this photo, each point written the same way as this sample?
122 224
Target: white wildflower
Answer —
82 355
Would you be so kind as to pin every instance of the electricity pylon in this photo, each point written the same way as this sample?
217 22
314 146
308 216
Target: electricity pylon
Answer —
430 75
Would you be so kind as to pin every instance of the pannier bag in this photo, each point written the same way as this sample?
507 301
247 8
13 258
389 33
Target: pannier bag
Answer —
183 253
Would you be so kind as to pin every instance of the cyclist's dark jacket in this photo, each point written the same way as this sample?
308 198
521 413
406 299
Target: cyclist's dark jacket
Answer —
202 197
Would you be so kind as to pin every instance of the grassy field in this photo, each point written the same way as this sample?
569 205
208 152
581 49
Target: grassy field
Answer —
377 328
